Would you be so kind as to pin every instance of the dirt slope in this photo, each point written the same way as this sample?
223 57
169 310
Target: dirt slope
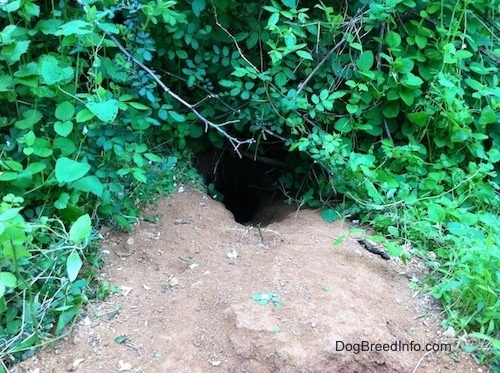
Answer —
186 306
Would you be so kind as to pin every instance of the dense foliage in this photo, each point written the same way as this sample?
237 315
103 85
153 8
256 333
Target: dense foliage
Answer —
390 111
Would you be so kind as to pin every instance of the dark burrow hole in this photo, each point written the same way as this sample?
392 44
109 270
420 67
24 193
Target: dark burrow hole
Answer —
247 186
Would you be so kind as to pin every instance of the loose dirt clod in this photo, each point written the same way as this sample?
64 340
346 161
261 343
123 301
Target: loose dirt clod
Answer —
333 301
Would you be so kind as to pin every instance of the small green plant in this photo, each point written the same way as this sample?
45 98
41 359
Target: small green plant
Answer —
105 289
40 265
265 298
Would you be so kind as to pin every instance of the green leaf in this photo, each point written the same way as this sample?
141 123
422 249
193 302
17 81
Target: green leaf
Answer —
436 213
176 116
31 117
305 55
393 39
109 27
460 134
198 6
65 111
339 240
12 53
8 176
10 6
63 128
494 155
8 279
460 54
343 125
66 146
52 72
407 96
84 116
153 157
356 45
196 131
411 81
121 339
105 111
62 201
49 26
182 54
330 215
365 61
80 229
403 65
273 20
352 109
68 170
421 41
290 3
138 105
42 148
10 214
76 27
419 118
6 83
457 228
90 184
64 319
73 265
391 110
488 116
71 212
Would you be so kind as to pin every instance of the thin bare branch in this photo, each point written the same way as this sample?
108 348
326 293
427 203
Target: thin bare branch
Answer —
234 40
235 142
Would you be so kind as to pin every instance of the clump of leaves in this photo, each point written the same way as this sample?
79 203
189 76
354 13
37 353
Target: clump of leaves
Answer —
265 298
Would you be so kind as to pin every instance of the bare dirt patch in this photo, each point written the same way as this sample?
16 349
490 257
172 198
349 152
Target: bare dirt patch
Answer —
186 305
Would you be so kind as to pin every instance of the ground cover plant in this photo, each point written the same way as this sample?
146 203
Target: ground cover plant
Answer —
389 112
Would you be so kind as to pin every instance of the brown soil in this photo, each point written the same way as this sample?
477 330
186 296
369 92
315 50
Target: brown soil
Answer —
186 306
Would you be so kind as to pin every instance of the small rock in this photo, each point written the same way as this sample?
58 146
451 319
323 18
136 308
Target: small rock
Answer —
215 363
72 367
196 284
449 333
125 290
122 367
130 241
173 282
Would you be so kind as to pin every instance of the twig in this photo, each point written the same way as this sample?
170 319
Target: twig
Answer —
217 299
420 361
261 244
235 142
318 66
210 94
133 346
234 40
387 130
350 24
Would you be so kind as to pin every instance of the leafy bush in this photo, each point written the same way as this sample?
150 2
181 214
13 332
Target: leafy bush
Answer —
76 144
389 110
39 290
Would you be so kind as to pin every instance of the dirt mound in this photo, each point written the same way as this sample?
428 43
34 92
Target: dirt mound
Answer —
191 288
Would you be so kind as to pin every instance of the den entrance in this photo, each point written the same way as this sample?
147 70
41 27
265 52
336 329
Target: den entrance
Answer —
247 185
